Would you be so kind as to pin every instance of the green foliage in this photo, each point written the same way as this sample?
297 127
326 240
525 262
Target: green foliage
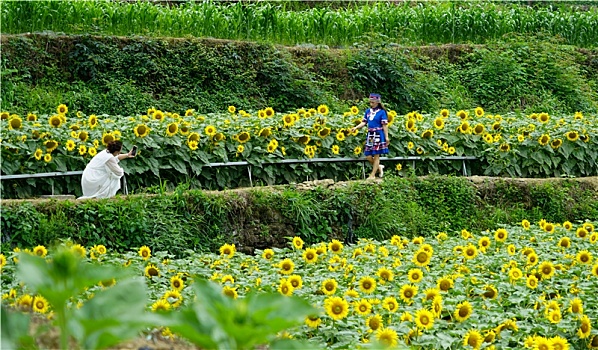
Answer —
280 22
217 321
15 330
260 218
126 76
112 316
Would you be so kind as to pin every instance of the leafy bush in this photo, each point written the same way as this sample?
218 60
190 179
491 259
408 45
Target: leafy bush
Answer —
258 218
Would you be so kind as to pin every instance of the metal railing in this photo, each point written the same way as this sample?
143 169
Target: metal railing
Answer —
413 159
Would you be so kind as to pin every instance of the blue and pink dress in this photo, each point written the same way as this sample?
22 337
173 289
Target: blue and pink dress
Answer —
375 141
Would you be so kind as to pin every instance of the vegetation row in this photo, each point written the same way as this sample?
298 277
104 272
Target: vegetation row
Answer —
527 286
192 220
123 76
406 23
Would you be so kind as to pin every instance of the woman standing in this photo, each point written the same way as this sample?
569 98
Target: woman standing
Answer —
377 140
101 177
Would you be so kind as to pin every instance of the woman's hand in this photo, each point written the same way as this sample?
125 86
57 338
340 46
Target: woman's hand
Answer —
130 154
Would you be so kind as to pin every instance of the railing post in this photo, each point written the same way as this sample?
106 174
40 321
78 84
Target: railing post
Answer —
363 168
464 168
249 172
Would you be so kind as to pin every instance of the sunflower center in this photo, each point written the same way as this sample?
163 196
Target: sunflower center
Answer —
152 272
329 287
424 320
366 285
463 312
408 294
585 327
546 270
422 257
39 305
472 341
337 309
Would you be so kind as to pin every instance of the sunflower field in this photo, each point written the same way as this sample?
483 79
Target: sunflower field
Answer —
528 286
176 147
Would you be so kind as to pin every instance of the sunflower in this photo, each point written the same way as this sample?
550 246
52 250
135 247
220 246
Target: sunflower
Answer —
390 304
588 226
177 283
335 149
15 123
336 307
584 257
525 224
40 250
92 151
268 254
504 147
407 293
424 319
25 301
415 275
585 329
40 305
269 112
285 288
532 259
313 321
172 129
479 129
55 121
501 235
515 274
297 243
141 130
194 145
572 136
173 297
228 250
367 284
427 134
439 123
387 336
210 130
546 269
581 232
227 279
556 143
151 270
576 306
463 311
464 128
385 275
287 266
444 284
362 307
470 251
543 117
323 109
295 281
100 249
218 137
47 158
473 337
158 115
310 255
324 132
93 121
490 292
38 154
62 109
335 246
145 252
544 139
484 243
422 258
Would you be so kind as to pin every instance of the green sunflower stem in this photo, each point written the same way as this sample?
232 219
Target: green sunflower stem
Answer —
64 335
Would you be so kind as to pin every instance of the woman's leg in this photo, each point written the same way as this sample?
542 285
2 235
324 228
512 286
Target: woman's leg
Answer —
370 159
375 165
